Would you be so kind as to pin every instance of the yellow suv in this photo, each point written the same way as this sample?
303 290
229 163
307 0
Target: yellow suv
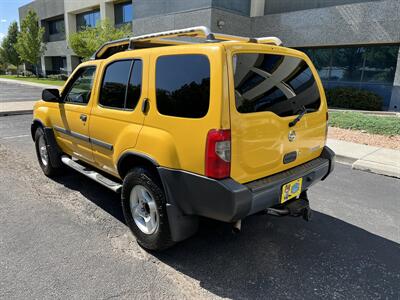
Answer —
223 129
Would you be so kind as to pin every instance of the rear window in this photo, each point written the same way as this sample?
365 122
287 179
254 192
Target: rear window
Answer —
183 85
277 83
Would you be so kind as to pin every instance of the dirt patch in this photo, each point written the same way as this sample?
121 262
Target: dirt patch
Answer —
357 136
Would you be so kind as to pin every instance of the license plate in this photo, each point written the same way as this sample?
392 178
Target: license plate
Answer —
291 190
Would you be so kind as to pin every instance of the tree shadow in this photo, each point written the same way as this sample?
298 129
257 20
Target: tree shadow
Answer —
275 257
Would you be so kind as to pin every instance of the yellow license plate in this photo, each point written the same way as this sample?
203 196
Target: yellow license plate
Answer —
291 190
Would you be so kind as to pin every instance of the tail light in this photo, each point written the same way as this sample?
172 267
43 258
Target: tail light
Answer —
218 154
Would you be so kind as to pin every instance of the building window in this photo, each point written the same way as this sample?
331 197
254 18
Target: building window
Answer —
56 27
87 19
183 85
365 67
59 65
123 13
122 84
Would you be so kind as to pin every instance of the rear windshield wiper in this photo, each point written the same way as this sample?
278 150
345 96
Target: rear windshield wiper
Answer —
298 118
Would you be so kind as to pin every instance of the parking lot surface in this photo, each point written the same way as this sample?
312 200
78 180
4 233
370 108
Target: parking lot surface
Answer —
66 238
13 92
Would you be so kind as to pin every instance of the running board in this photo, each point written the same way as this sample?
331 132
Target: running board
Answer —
114 186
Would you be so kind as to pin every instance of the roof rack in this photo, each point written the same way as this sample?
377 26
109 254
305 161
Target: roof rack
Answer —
158 39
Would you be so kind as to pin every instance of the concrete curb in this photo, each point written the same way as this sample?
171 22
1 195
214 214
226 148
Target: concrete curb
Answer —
367 158
16 108
15 113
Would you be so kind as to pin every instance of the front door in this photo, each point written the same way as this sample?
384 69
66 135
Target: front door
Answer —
72 128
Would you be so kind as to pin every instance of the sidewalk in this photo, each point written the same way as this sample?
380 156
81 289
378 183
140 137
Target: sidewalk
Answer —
367 158
16 108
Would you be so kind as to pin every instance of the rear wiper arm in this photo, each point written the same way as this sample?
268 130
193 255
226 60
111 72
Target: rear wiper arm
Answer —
298 118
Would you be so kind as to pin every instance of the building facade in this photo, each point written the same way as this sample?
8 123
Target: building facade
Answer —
353 43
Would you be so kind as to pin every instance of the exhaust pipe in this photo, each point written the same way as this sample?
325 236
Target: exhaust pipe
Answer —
237 226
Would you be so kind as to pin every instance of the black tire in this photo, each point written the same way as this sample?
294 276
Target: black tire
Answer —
161 238
47 168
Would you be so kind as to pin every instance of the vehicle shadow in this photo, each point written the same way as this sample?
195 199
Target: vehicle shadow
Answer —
289 258
96 193
275 257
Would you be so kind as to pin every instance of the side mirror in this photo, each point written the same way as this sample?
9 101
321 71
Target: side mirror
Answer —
51 95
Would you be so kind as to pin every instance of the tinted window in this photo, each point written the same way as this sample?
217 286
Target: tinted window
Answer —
276 83
363 67
135 85
80 89
116 80
183 85
56 26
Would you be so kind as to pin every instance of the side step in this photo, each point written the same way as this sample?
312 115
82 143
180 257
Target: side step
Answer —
114 186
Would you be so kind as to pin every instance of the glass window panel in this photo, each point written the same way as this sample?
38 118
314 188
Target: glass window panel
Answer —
276 83
135 85
321 59
81 87
183 85
114 84
123 13
380 64
347 64
87 19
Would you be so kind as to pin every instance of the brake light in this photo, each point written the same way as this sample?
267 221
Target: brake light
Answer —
218 154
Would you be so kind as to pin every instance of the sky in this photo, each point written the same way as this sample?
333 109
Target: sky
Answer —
9 13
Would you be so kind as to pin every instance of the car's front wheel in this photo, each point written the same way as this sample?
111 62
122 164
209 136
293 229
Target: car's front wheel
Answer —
43 154
144 208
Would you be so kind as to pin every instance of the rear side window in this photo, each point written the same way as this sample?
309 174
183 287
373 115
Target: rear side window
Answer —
183 85
277 83
122 82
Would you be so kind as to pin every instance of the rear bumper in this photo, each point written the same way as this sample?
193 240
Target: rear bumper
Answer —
227 200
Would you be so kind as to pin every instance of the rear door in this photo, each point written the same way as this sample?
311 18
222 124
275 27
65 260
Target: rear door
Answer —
116 117
268 90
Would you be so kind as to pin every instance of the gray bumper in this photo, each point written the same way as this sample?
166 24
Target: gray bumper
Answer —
226 200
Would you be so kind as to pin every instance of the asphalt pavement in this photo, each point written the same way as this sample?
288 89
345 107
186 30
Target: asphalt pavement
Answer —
66 238
17 92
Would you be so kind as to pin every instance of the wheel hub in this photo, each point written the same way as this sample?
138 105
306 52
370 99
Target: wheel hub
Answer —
44 156
144 209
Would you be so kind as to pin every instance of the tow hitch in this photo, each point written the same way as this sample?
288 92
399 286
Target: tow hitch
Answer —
296 208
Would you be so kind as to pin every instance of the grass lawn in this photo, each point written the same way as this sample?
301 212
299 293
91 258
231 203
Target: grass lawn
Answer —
31 79
371 124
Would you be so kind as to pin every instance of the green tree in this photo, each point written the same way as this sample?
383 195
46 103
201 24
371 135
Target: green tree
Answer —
8 52
30 44
87 41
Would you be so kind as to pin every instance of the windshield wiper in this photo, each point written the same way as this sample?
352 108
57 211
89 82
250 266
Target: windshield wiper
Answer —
298 118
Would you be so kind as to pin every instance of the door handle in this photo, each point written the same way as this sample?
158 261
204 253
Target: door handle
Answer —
83 117
145 105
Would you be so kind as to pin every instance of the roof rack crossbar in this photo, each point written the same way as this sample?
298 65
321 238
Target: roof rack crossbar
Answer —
198 31
191 32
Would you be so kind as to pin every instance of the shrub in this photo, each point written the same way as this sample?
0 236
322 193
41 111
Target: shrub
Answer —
26 73
352 98
58 77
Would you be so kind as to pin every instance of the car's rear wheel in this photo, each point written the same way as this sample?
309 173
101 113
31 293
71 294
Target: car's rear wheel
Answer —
144 208
43 154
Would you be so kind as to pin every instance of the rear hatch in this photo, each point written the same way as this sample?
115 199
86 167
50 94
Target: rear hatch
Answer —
268 91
